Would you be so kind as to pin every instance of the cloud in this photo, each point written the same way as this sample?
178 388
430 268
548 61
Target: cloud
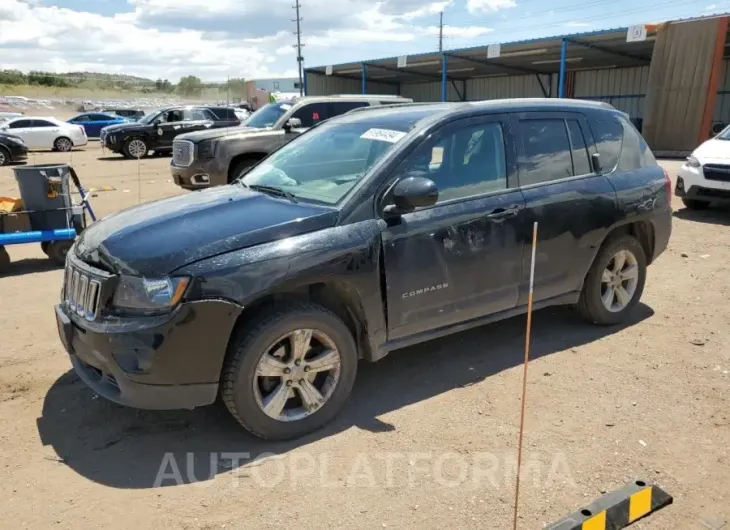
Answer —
488 6
217 38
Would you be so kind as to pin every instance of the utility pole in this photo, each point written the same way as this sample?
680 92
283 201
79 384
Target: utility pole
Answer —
441 31
228 89
299 45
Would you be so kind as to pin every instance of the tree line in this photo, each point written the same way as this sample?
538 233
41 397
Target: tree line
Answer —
187 86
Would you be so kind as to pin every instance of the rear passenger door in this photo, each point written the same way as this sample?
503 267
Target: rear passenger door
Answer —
572 203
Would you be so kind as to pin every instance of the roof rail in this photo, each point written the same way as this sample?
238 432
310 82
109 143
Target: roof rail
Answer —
393 105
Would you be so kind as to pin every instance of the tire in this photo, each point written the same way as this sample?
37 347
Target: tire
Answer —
694 204
591 305
4 259
240 167
240 386
135 148
63 144
44 247
4 156
57 251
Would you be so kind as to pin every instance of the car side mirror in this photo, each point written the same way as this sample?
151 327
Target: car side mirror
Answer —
596 163
292 123
411 192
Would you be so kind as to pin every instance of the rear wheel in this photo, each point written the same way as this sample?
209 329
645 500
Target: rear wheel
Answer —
290 371
135 148
615 282
694 204
4 156
63 144
57 251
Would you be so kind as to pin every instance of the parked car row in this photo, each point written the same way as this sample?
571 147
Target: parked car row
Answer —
46 133
371 231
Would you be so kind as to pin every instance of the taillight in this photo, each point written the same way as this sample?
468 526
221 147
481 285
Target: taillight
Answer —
667 182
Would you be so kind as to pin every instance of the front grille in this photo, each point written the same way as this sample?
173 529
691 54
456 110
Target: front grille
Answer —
81 293
717 172
183 152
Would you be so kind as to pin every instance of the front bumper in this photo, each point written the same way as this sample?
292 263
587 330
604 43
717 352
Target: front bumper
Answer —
18 153
198 176
692 183
157 363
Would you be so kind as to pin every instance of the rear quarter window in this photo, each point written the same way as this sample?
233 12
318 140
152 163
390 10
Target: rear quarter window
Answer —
635 153
608 134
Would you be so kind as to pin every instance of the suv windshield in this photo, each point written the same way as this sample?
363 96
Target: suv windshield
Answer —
267 115
724 134
149 117
324 164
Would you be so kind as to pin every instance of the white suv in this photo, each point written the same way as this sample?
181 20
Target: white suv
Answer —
705 176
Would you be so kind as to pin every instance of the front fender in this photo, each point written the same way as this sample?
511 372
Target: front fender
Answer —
348 256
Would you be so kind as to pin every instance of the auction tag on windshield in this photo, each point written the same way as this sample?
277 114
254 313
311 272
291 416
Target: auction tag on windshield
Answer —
384 135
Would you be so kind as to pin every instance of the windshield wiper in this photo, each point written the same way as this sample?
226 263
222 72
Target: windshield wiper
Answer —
271 190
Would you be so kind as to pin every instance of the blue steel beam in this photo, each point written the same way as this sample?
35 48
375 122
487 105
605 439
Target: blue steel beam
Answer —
364 78
563 58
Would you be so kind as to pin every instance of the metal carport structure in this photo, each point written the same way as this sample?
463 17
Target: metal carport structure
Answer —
611 65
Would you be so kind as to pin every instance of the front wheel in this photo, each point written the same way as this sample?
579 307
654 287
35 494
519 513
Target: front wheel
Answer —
694 204
4 156
241 168
135 148
614 283
290 371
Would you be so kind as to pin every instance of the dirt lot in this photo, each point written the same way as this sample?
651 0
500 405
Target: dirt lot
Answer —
429 437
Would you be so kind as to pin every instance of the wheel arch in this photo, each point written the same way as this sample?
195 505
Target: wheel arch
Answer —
335 296
254 155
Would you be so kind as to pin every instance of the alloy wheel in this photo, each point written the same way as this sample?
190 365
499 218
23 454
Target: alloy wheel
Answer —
137 148
619 281
297 375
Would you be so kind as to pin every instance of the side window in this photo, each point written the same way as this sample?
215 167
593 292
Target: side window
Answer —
311 114
635 154
547 151
608 133
340 107
83 119
42 123
464 161
20 124
175 115
579 150
193 115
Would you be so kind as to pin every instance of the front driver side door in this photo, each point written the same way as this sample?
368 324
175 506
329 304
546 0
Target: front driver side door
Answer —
460 259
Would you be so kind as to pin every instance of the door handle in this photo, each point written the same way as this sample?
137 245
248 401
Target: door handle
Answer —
500 214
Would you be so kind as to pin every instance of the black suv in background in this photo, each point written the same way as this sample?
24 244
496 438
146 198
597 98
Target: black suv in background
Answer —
213 158
12 149
157 130
370 232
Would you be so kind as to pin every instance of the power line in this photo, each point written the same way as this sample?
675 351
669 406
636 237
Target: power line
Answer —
299 46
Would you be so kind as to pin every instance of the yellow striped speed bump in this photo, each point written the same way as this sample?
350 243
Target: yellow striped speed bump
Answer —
617 509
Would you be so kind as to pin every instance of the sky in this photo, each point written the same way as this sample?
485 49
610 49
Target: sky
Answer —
215 39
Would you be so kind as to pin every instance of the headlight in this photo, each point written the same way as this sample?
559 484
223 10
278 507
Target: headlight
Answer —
693 162
206 149
149 295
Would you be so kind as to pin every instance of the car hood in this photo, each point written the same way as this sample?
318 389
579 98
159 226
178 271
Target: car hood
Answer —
156 238
713 149
127 127
199 136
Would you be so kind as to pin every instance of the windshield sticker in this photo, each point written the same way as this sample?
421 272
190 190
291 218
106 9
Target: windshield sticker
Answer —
384 135
285 106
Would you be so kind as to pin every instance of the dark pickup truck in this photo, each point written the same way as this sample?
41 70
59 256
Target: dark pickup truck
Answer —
213 158
370 232
156 131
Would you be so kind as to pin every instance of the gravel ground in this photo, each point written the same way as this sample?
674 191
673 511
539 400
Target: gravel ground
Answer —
429 437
